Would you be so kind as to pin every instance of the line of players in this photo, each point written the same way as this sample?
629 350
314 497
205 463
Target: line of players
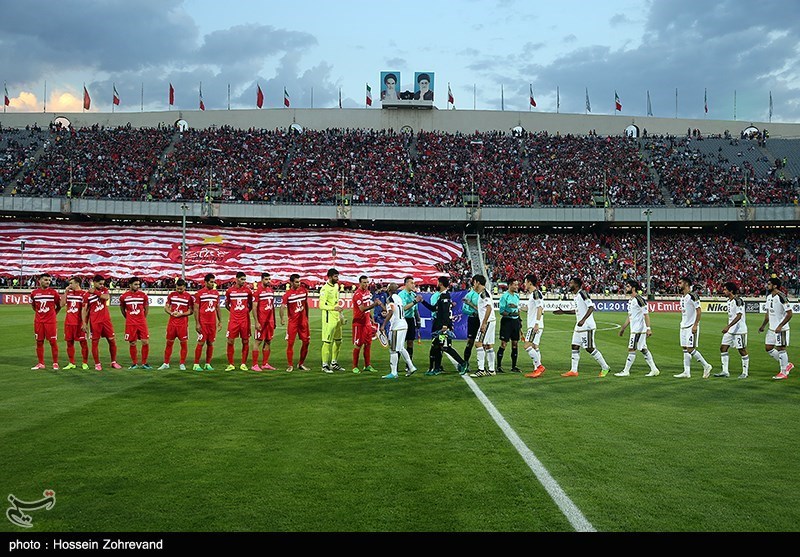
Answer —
87 311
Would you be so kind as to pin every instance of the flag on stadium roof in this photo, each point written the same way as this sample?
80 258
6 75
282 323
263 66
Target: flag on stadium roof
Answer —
115 99
369 95
87 100
7 99
532 100
588 104
770 104
340 97
171 95
617 103
154 251
649 106
202 104
705 100
259 96
286 102
450 98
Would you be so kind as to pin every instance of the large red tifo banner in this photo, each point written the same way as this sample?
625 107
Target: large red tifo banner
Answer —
154 252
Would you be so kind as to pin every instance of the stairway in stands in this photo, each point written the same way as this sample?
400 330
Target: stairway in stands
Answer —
472 243
656 177
173 143
31 163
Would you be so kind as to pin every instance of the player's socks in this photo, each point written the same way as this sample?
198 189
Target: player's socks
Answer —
500 352
54 350
265 356
326 353
356 354
783 359
598 357
96 350
746 364
775 354
368 354
304 353
198 352
699 357
467 352
71 351
725 358
687 362
85 351
132 352
290 354
629 361
209 352
112 349
393 359
40 351
514 356
168 352
648 357
535 356
337 345
490 359
246 352
255 356
145 352
184 350
480 353
576 358
230 354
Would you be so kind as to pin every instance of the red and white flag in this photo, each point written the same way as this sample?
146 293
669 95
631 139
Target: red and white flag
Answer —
450 98
202 104
171 95
369 95
154 252
115 100
259 96
532 100
7 99
617 103
87 100
286 102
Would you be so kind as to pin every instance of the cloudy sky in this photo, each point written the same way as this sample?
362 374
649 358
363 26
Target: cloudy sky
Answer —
630 46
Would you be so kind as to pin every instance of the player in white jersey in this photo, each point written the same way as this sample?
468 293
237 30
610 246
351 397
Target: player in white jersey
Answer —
735 332
779 312
583 336
399 328
533 333
639 320
690 329
484 342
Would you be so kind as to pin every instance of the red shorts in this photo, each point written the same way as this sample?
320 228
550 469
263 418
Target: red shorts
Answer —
73 333
362 333
208 332
45 331
266 332
177 329
102 329
136 331
298 329
238 329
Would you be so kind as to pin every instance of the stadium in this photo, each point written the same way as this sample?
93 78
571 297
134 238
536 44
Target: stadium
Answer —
389 194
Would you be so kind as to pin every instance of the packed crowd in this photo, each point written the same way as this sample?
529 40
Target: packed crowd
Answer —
387 168
95 162
16 147
604 261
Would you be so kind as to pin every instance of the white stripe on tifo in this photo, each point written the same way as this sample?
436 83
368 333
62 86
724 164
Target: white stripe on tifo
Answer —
564 503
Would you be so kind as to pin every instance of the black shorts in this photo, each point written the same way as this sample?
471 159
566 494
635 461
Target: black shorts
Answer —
411 335
509 329
473 326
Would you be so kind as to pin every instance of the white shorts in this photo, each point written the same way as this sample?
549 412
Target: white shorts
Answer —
488 336
777 339
397 339
534 339
584 339
737 341
689 339
638 341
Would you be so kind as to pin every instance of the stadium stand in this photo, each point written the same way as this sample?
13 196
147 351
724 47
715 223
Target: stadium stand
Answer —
16 149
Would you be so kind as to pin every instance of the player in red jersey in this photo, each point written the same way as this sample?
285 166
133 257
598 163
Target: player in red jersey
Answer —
295 302
74 299
179 306
363 328
239 302
46 303
134 305
207 321
97 320
264 318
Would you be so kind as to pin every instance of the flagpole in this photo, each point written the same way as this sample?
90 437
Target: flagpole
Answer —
770 107
676 103
734 104
502 99
558 99
5 92
142 96
312 97
83 99
473 96
45 96
229 96
114 88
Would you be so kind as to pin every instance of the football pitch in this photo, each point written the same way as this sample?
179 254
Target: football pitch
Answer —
305 451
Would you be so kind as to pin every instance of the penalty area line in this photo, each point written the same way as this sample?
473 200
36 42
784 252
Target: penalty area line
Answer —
560 498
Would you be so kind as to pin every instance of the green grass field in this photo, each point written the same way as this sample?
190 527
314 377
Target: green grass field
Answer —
182 451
